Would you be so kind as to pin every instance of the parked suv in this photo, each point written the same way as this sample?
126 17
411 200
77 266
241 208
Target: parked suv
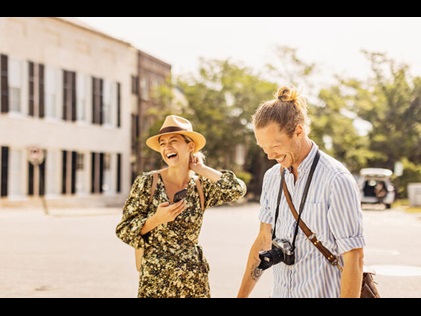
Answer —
376 186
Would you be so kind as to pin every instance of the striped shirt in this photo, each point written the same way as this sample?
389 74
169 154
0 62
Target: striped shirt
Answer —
332 211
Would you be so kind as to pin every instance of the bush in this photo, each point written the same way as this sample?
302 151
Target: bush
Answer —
411 174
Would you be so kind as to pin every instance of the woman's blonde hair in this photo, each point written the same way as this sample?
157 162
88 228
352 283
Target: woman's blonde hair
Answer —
287 109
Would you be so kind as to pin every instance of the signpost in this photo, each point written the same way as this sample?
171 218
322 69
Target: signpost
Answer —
36 157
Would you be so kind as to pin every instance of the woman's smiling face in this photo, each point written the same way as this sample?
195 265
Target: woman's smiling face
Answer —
174 148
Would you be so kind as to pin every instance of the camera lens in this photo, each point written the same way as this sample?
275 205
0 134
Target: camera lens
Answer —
270 257
265 260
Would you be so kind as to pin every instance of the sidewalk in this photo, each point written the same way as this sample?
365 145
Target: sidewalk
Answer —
74 253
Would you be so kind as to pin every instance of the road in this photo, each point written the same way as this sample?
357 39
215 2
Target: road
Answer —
74 253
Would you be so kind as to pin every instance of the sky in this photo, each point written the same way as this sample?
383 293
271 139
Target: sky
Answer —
333 43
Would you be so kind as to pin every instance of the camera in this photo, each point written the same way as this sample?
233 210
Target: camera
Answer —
281 252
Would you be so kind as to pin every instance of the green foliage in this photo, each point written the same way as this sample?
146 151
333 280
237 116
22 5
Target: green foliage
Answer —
245 176
390 101
333 129
221 99
411 174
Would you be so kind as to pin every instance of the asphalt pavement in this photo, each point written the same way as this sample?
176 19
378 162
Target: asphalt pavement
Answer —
74 253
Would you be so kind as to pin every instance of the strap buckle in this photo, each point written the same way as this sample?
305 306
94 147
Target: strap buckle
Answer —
336 263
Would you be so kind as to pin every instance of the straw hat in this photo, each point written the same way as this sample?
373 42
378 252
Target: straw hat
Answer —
174 124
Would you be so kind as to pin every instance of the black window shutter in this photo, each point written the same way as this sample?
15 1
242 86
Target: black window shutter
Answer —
64 172
41 90
74 161
101 102
118 105
101 172
64 95
118 173
4 170
31 81
73 90
4 94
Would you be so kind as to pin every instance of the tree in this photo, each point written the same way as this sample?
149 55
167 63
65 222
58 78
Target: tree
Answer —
390 101
334 131
221 101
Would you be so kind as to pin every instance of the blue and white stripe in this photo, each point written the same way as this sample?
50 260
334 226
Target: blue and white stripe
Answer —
332 211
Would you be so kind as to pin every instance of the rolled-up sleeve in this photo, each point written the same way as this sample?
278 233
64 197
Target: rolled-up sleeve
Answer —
345 214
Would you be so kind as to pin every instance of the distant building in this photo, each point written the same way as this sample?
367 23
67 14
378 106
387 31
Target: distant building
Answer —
152 73
71 112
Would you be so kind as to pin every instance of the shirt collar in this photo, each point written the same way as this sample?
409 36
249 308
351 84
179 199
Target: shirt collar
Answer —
305 165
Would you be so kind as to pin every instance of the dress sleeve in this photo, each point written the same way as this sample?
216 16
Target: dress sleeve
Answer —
228 188
135 212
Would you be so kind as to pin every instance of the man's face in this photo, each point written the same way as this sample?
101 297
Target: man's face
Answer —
278 145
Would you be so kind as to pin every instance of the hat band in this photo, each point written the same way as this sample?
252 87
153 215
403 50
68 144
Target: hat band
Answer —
170 129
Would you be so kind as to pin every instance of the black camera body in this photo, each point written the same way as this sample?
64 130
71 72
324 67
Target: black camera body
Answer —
281 252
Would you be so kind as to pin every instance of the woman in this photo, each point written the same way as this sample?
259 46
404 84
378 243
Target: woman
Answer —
173 263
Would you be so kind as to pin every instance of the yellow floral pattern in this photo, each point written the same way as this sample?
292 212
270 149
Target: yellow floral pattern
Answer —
173 264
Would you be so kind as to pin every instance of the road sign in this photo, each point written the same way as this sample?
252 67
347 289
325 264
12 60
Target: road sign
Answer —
35 155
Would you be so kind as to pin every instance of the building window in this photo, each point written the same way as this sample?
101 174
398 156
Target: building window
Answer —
82 96
97 101
69 96
52 88
68 175
135 85
80 174
15 85
52 176
36 97
31 79
97 172
144 89
15 177
106 171
80 161
109 104
36 178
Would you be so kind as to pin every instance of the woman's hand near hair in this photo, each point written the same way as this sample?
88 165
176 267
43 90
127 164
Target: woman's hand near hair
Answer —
198 166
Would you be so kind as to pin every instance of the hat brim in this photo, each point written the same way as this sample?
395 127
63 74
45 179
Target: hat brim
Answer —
198 139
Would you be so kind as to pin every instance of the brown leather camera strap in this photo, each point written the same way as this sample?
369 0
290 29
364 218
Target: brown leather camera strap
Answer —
310 235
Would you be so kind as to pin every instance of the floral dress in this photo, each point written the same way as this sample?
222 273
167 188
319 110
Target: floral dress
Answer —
173 264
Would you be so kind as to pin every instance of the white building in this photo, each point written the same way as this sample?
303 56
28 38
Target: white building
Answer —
66 95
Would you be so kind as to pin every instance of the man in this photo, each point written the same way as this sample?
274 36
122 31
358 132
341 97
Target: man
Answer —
331 210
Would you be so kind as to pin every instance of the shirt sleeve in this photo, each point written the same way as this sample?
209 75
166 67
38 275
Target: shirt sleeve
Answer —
135 212
345 214
270 189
